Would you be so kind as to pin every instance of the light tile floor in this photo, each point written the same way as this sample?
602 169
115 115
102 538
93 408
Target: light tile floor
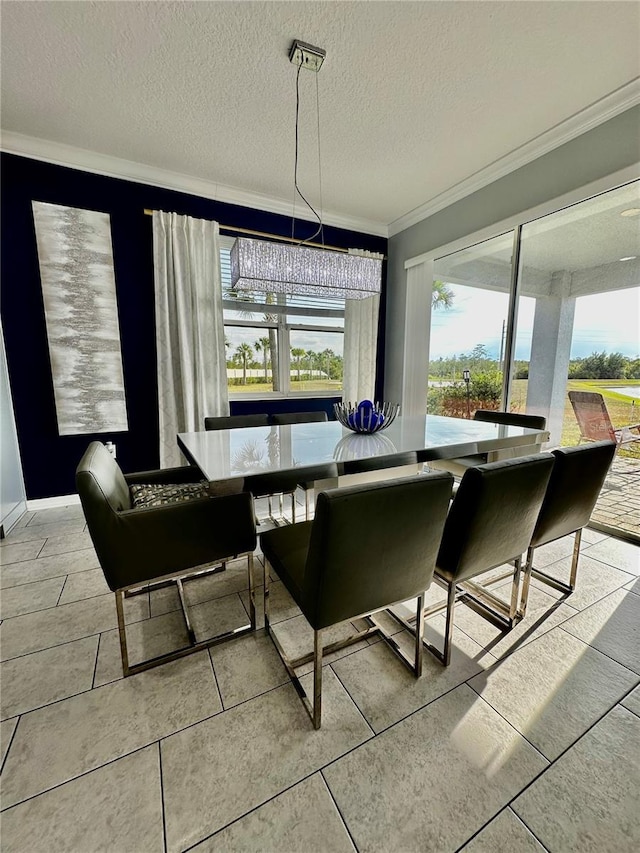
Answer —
529 741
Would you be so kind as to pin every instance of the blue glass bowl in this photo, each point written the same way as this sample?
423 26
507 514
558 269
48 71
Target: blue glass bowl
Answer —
366 417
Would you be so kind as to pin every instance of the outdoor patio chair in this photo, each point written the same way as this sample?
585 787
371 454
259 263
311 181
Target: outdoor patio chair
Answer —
174 534
576 480
490 523
368 547
595 424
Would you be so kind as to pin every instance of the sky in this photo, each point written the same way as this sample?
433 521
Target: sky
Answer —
606 321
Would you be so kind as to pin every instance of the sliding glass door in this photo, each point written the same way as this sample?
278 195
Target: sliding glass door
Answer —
576 327
470 303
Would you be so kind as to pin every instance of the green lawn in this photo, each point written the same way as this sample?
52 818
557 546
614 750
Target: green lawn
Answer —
309 386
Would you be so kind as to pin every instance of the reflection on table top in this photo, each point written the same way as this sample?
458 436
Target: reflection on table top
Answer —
230 454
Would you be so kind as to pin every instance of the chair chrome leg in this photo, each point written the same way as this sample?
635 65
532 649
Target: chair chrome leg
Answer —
185 613
317 679
567 588
293 507
574 560
122 633
526 582
448 634
267 626
252 591
444 656
419 635
194 644
515 589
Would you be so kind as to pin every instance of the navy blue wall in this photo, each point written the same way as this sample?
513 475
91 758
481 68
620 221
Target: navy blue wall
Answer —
49 460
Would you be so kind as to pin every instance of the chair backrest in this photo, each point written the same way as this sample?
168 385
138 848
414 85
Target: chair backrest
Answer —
236 421
592 415
511 419
493 514
373 545
576 480
103 494
298 418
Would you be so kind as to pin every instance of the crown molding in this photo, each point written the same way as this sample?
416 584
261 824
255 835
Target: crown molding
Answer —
115 167
606 108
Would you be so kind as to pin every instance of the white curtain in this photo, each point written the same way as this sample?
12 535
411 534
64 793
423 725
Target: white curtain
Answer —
360 348
360 343
192 375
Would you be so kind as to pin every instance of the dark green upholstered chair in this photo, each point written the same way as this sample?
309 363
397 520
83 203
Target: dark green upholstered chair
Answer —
460 464
576 481
306 483
490 523
298 418
171 540
368 547
236 421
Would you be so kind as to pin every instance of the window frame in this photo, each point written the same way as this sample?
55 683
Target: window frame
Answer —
283 329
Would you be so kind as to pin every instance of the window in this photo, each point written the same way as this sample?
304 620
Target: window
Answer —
280 344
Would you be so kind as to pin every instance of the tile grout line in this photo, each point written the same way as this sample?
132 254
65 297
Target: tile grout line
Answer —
215 678
504 809
74 778
95 664
11 740
64 583
599 650
565 751
339 810
355 704
162 802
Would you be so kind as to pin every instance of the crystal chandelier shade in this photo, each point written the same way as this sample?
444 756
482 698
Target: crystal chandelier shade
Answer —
257 265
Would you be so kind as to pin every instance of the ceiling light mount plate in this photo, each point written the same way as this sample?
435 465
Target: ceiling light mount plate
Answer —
306 55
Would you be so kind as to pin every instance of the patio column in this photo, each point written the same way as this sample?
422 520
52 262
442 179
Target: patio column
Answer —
417 333
550 351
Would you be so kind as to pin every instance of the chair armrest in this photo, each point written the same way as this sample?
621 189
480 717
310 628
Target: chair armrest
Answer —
150 542
184 474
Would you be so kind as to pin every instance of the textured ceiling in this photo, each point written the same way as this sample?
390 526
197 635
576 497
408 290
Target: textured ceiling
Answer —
414 96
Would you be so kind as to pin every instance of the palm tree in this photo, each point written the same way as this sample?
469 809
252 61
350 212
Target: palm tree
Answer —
311 357
263 345
244 354
297 353
441 295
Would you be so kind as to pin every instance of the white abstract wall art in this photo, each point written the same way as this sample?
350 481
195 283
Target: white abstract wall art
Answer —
81 312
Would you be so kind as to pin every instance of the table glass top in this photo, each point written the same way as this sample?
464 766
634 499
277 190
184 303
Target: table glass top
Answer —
229 454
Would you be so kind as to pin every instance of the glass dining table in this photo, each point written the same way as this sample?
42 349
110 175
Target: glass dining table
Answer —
231 455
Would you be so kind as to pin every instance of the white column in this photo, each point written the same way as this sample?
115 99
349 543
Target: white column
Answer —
550 351
417 333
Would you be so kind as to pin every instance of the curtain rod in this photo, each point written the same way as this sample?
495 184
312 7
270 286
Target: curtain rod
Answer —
252 233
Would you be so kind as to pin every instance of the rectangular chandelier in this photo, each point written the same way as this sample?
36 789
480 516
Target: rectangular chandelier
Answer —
261 266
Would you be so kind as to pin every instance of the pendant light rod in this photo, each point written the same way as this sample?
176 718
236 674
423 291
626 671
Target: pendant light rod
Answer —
268 236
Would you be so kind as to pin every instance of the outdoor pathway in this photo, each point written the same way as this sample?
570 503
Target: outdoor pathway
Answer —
619 502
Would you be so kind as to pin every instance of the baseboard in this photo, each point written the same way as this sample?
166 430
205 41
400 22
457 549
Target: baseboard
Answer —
12 518
52 503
